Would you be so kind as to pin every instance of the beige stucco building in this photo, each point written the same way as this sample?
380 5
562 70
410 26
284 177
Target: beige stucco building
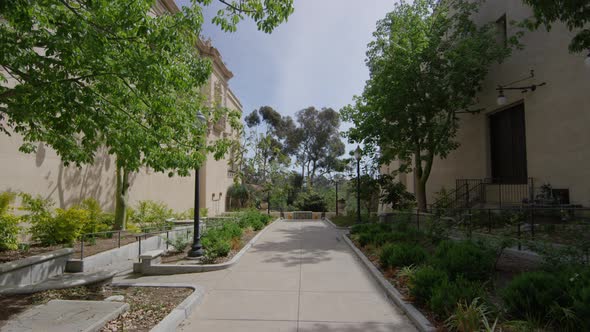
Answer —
534 138
43 173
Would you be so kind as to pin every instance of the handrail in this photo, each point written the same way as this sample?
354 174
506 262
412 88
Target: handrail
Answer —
449 194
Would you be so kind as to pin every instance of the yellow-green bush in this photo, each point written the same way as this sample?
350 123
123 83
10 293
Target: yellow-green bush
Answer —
63 228
8 223
150 214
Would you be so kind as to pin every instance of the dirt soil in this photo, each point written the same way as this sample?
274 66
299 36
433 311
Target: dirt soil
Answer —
148 305
173 257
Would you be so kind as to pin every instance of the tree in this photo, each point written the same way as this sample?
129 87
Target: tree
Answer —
316 142
426 63
87 74
395 193
574 13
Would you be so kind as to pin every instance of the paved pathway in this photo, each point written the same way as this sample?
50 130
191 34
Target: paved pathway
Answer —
299 277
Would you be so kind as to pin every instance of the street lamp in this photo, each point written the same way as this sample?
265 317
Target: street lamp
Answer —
357 156
197 248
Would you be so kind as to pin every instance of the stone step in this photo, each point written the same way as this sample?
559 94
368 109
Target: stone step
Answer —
66 280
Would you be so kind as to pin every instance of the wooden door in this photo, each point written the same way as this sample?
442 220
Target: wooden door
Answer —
508 146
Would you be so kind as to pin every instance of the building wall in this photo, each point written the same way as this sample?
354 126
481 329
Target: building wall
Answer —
556 115
44 174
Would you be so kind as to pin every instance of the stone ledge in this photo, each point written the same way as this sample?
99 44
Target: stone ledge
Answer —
21 263
178 314
414 314
62 281
152 254
168 269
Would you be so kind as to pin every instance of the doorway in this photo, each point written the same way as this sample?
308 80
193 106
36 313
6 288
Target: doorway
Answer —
508 146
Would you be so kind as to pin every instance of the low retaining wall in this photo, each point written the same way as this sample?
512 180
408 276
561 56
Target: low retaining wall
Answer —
125 254
34 269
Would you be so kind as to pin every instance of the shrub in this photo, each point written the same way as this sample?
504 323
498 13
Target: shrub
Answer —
403 254
577 283
179 243
252 219
98 221
151 214
532 294
64 228
9 230
447 294
423 282
472 317
216 244
465 259
311 201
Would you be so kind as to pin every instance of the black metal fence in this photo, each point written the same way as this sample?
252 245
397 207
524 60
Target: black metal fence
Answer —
554 225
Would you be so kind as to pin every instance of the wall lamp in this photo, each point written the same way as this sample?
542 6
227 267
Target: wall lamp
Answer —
502 100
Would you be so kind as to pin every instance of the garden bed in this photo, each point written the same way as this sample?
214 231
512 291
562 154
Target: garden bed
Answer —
148 305
172 257
450 280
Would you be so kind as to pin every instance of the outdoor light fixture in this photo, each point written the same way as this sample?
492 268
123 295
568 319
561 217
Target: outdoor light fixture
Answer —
357 156
197 249
502 100
587 61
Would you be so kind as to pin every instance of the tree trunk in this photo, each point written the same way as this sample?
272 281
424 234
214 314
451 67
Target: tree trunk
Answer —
121 196
421 194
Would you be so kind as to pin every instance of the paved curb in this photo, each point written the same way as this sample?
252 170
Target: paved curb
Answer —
100 324
415 316
168 269
178 314
334 225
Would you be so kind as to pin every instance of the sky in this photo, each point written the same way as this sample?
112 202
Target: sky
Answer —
315 59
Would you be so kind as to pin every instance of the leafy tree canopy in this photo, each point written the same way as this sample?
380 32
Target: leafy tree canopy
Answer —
574 13
426 62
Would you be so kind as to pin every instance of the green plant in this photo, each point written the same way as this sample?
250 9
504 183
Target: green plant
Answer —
151 214
9 231
532 294
471 317
311 201
252 219
464 258
9 228
448 293
64 228
423 282
179 243
98 221
402 254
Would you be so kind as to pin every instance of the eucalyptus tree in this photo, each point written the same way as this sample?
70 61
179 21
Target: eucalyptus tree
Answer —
316 142
426 63
78 75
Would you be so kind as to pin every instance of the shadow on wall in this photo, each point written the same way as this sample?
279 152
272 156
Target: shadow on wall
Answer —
74 184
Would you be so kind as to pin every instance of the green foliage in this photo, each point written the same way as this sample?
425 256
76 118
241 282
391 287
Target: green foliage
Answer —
98 221
253 219
471 317
180 242
574 14
9 231
427 61
400 255
9 228
63 228
240 194
311 201
150 214
6 198
447 294
395 193
464 258
532 294
424 281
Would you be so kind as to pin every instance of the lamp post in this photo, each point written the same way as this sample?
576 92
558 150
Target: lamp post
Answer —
357 156
336 197
197 248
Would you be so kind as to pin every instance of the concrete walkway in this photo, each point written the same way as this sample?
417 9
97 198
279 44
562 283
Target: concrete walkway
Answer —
298 277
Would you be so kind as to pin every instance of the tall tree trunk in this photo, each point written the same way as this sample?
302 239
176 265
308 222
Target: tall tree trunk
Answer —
121 196
421 194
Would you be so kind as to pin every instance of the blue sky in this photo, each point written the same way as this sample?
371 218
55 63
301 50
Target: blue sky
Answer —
315 59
